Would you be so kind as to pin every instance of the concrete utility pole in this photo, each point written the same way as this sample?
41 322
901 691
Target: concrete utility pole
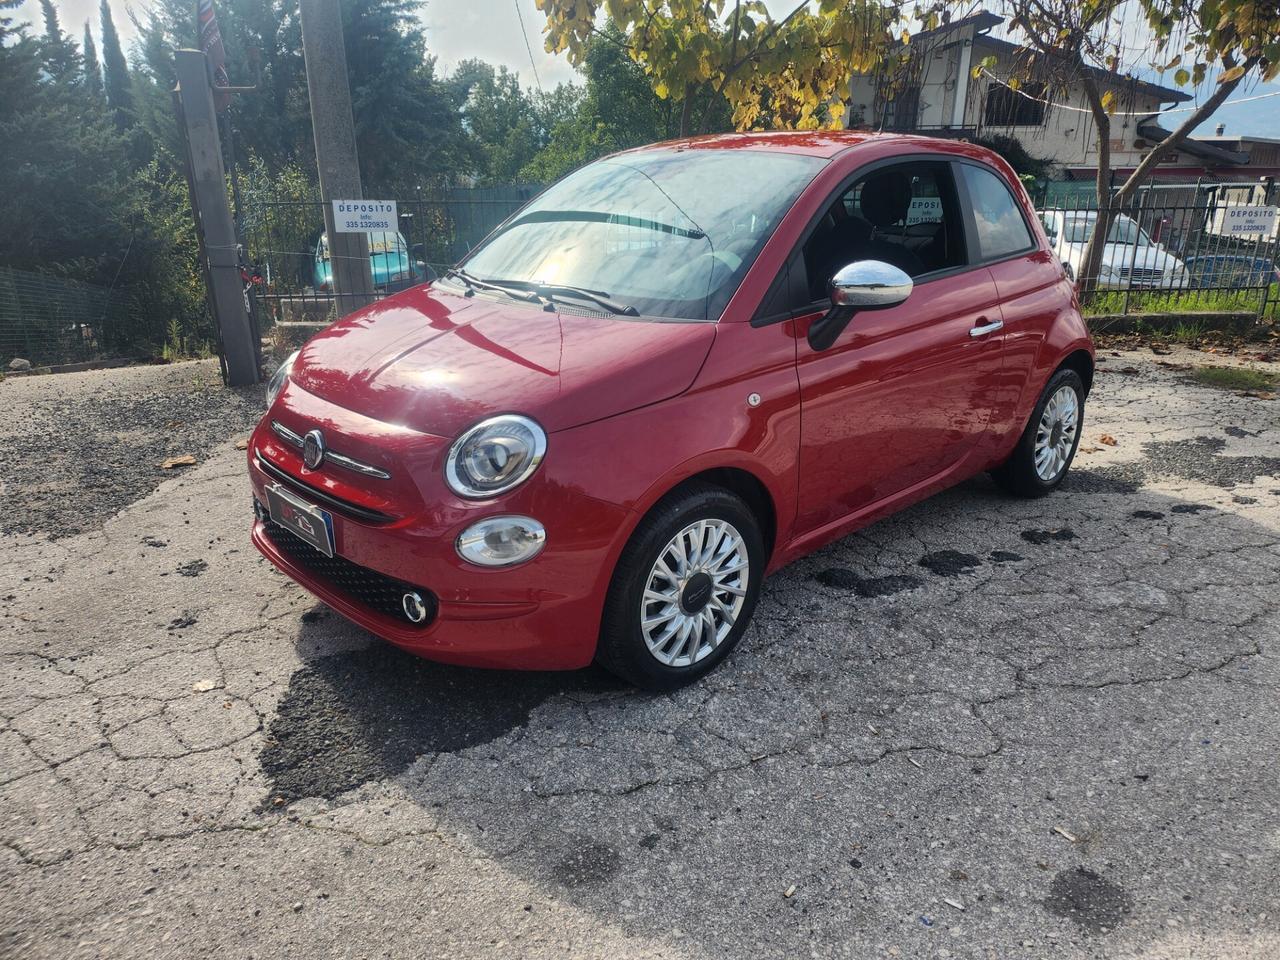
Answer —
206 178
335 136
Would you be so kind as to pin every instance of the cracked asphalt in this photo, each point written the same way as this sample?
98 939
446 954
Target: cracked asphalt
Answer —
983 728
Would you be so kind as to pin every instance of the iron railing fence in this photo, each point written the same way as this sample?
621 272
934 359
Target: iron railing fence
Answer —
51 320
1173 249
286 253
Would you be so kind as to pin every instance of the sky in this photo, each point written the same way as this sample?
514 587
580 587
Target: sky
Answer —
491 30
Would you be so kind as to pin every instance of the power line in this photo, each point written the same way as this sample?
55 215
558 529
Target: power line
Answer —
528 46
1062 106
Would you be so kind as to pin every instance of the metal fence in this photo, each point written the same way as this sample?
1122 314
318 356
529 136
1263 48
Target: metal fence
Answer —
50 320
1173 249
286 253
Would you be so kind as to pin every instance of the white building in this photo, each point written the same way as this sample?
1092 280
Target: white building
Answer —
937 94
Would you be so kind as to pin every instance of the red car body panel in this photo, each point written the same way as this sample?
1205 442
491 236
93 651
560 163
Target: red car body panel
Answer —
438 361
904 404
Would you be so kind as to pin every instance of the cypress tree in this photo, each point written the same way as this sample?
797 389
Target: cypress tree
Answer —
115 72
61 59
92 69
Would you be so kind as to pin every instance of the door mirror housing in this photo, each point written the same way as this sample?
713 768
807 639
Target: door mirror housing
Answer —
862 285
869 285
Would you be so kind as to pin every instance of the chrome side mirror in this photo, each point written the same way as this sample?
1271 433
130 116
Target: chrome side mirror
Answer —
864 285
869 285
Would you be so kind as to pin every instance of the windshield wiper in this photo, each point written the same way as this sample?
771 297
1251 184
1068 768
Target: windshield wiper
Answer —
598 297
475 283
537 289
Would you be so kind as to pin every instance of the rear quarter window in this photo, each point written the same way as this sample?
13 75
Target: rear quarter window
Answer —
1001 229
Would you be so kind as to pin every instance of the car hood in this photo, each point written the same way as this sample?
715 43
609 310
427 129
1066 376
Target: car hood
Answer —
437 362
1118 255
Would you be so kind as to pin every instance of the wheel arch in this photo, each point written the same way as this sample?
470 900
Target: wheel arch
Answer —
741 481
1082 363
751 490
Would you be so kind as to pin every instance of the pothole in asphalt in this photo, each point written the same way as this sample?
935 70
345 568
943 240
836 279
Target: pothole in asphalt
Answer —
366 715
1200 459
844 579
1041 537
949 563
1088 899
193 568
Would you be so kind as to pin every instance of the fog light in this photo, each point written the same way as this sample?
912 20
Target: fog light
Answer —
415 608
501 541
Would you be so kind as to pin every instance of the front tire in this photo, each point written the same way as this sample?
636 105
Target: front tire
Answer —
684 589
1048 444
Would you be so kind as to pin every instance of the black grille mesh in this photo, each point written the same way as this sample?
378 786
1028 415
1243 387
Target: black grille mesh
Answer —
367 587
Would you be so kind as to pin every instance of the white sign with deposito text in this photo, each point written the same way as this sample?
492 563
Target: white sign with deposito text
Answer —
924 210
1245 221
365 216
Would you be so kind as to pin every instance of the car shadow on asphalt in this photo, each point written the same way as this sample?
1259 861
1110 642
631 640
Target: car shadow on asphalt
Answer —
907 721
365 715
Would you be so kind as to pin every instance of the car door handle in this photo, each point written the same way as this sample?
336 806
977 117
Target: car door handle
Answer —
985 328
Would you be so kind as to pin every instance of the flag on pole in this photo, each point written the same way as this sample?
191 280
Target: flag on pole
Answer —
211 44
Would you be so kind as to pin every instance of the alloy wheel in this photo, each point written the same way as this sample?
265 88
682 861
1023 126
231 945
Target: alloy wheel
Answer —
694 592
1056 433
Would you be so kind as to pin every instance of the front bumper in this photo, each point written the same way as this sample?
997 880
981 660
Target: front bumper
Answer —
540 615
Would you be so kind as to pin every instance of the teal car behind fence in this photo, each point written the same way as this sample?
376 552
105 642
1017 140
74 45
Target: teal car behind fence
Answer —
395 264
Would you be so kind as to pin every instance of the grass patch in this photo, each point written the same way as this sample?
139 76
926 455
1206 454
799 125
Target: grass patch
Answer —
1111 302
1234 378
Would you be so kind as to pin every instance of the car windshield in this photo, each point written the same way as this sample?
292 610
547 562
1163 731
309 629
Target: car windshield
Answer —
670 232
1123 230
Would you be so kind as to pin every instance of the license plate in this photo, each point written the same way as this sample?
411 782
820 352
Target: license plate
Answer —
300 518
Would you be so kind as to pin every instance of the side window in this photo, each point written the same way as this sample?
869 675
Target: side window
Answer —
906 215
1001 229
1050 223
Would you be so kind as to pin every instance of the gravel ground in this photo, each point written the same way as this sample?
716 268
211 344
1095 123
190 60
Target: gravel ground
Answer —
983 728
79 447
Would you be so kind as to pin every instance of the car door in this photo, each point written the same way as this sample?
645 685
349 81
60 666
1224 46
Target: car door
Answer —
1030 280
904 395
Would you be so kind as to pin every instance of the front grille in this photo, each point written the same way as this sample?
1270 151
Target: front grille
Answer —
367 587
1142 274
344 507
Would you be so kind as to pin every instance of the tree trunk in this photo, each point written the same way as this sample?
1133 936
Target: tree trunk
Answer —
1091 262
1109 204
686 110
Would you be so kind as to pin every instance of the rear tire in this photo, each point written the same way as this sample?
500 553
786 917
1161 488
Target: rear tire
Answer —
1048 444
684 589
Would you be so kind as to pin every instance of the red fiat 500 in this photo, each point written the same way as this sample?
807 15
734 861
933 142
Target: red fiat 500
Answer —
673 372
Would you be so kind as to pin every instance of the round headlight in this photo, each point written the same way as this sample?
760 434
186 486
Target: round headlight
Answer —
494 456
280 378
501 541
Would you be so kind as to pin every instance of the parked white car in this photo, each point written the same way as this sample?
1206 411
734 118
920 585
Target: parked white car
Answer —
1130 258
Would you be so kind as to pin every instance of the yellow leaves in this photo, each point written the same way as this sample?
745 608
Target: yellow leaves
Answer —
1230 76
1182 77
1109 101
783 74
